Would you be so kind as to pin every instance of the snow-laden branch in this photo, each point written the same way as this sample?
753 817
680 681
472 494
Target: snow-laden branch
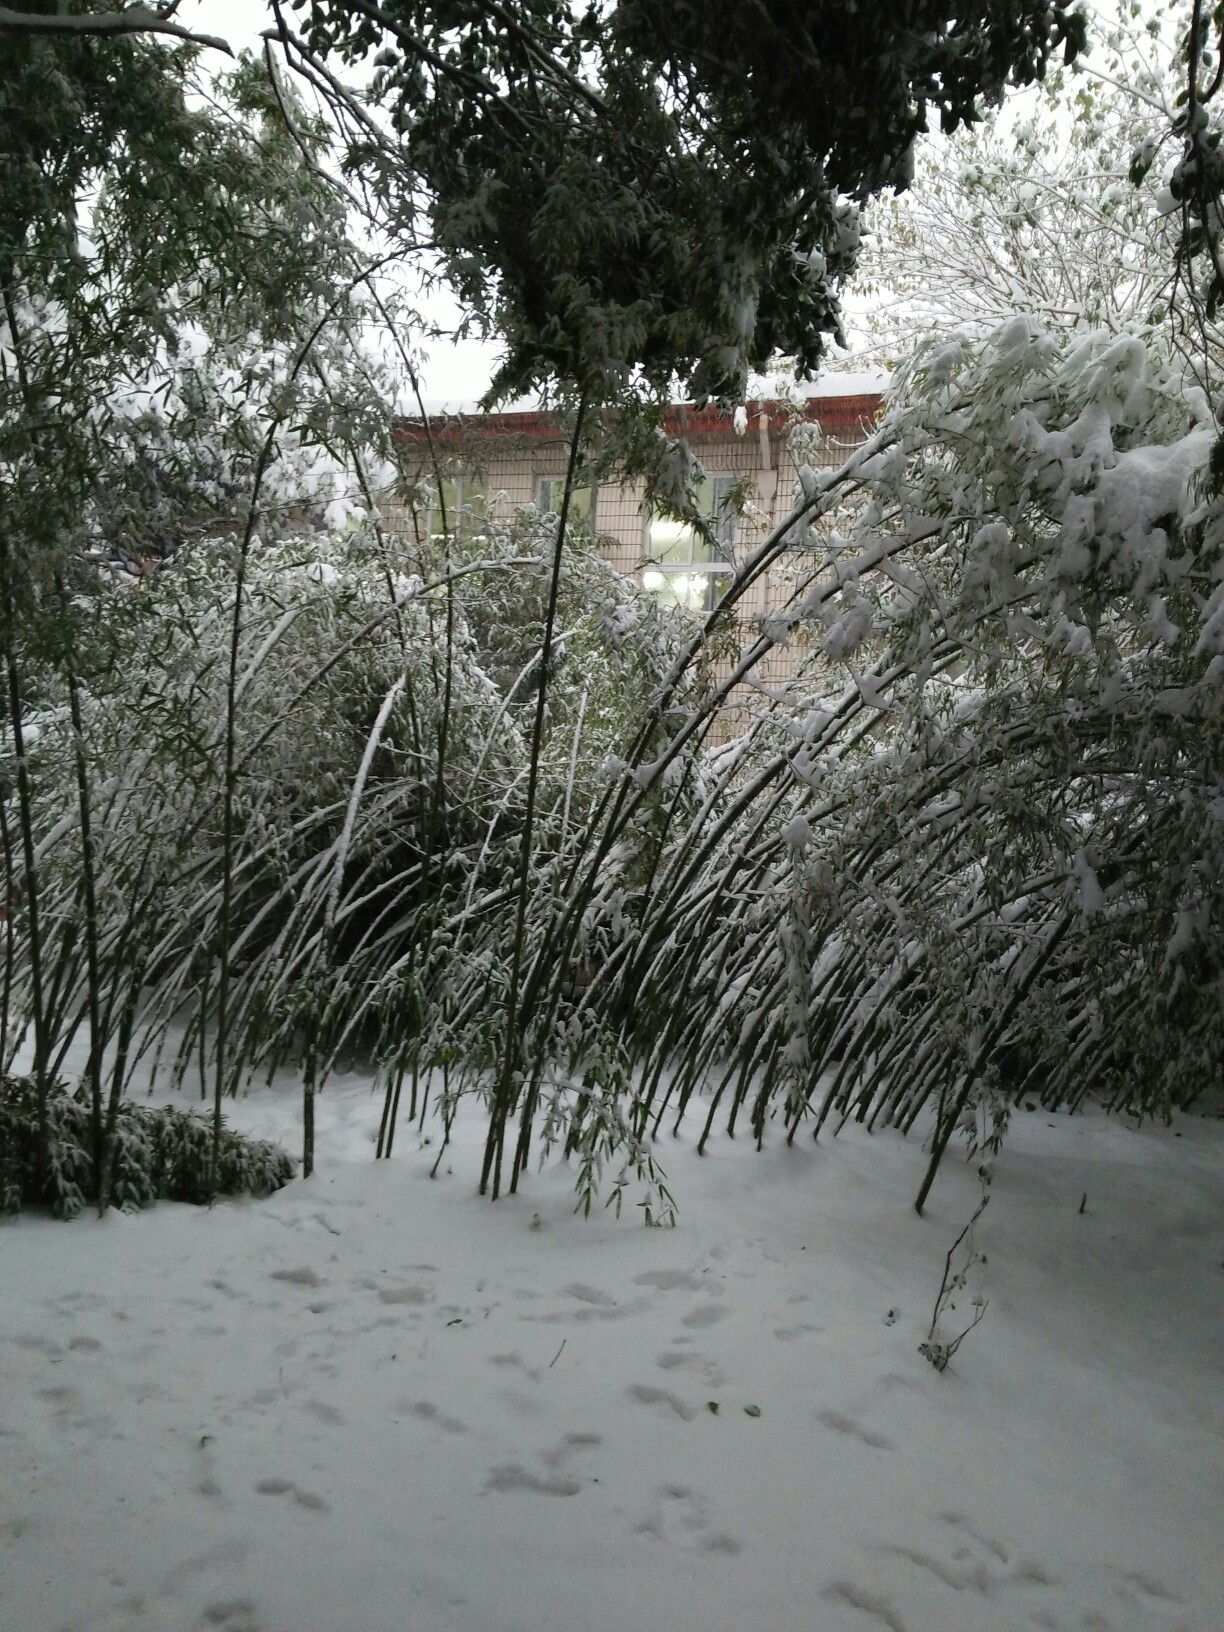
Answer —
107 25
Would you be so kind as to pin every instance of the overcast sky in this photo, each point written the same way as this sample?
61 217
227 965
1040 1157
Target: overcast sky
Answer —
455 375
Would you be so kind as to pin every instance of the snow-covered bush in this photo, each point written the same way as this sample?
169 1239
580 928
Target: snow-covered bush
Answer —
1055 208
159 1153
459 803
972 855
182 351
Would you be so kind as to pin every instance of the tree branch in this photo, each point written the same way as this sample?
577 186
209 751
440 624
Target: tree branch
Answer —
135 20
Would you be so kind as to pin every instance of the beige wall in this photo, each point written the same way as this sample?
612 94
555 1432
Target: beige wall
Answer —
513 465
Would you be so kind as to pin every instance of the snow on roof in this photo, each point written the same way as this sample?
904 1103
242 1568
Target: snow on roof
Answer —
863 382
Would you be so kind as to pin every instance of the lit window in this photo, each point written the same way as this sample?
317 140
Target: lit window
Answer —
550 490
683 567
456 503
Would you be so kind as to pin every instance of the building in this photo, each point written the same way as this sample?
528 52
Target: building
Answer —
492 464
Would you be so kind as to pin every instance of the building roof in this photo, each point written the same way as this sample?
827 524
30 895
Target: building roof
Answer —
832 412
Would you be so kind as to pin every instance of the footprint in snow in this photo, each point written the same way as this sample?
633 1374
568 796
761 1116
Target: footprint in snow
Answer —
667 1280
232 1615
592 1305
960 1522
512 1476
325 1413
570 1445
961 1573
671 1404
523 1405
870 1602
967 1567
224 1287
405 1294
788 1334
426 1411
854 1430
705 1314
69 1409
513 1361
589 1294
74 1302
302 1276
683 1359
1150 1587
39 1345
679 1515
286 1487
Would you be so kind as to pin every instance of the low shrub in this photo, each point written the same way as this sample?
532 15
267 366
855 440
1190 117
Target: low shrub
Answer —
159 1154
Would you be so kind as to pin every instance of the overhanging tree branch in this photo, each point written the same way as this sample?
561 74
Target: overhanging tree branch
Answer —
108 25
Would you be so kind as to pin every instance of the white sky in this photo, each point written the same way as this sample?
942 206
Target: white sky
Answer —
454 375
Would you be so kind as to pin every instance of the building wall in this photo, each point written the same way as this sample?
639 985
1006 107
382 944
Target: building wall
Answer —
513 452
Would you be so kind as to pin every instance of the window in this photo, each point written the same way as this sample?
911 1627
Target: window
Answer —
457 503
550 490
684 568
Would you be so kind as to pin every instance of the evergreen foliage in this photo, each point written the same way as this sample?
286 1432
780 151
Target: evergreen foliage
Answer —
159 1153
626 192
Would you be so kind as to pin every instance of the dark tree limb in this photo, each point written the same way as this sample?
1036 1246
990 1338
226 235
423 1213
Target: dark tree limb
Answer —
108 25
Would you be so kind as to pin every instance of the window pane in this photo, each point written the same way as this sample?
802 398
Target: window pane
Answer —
722 515
550 491
671 542
717 585
699 589
459 502
446 508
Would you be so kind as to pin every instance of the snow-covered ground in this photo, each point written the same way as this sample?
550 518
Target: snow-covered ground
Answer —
376 1404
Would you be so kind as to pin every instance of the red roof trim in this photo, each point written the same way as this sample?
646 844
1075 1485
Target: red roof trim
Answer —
833 413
